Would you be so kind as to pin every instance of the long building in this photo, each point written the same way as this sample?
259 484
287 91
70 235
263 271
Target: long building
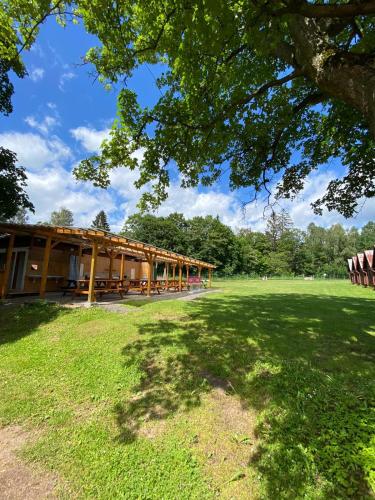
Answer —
41 258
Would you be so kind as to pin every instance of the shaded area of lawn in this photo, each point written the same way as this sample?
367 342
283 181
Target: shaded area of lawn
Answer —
25 319
298 355
305 362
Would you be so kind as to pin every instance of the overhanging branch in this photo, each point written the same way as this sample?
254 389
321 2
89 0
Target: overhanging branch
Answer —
328 10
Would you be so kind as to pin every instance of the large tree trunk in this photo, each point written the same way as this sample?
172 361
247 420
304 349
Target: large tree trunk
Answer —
345 76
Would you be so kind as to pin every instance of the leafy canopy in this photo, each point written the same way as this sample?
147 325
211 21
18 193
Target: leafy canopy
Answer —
270 91
62 217
259 88
12 184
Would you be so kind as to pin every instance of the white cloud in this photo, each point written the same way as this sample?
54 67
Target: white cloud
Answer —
45 125
50 184
35 152
36 74
65 77
90 138
52 187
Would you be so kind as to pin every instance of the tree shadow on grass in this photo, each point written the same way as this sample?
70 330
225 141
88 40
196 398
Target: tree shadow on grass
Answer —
306 362
18 321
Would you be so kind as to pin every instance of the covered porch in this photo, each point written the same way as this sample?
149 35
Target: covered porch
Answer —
90 264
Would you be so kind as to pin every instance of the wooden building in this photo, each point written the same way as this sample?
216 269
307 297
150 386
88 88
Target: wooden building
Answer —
369 267
357 279
40 259
361 269
352 274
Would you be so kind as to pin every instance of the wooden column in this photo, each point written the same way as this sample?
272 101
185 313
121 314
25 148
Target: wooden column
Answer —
43 281
180 276
174 272
8 262
209 278
94 255
199 271
149 273
110 272
122 266
166 275
79 260
187 273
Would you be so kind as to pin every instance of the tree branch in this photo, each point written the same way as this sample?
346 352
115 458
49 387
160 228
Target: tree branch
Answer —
328 10
38 23
154 44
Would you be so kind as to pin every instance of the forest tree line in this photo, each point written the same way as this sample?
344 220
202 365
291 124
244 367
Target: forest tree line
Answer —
280 250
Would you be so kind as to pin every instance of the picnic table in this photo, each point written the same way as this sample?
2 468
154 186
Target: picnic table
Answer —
101 286
175 286
141 286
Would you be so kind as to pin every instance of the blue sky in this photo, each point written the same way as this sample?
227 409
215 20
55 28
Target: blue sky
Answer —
61 115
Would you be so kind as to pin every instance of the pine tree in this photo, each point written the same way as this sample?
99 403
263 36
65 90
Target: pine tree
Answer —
277 225
101 222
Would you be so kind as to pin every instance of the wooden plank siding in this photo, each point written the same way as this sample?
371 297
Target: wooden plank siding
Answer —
117 256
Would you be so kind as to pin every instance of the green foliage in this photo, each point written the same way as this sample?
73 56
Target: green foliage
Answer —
62 217
282 250
204 238
244 85
101 222
239 89
12 183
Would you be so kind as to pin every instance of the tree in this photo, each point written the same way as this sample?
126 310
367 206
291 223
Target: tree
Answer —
277 225
13 197
367 238
12 183
101 222
62 217
244 85
165 232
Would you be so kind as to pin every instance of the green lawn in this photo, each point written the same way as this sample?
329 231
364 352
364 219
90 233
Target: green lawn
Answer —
261 390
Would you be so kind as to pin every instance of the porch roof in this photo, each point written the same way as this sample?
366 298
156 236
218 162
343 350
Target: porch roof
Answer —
87 237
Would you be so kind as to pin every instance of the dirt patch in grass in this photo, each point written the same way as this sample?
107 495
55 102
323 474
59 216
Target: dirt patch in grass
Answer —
18 479
225 440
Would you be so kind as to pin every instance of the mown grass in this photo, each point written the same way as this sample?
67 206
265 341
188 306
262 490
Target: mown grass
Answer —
144 404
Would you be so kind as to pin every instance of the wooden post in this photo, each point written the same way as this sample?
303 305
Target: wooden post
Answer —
79 260
187 273
122 266
180 276
174 272
43 281
8 262
167 275
199 272
110 272
94 254
209 277
149 273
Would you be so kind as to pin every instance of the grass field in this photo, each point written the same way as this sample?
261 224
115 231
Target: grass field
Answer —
260 390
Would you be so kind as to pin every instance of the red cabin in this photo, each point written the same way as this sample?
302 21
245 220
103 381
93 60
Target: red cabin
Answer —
369 266
351 271
363 278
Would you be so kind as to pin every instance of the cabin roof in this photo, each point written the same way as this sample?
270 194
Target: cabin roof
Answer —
361 259
86 237
370 256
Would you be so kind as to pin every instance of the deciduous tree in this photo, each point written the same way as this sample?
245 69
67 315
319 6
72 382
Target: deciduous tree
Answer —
62 217
244 85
